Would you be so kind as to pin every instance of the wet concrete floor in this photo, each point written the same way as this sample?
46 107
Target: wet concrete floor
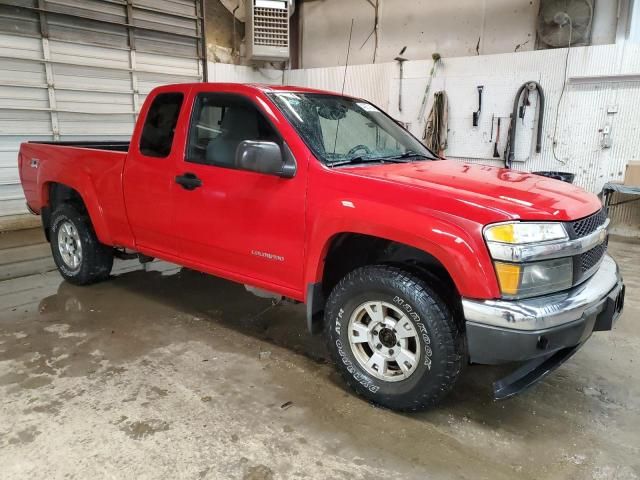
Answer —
170 373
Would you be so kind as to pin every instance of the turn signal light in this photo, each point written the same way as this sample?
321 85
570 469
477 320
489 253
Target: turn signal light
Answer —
508 277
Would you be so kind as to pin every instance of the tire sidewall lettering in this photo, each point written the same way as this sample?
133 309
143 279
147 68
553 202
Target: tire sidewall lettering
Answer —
338 321
359 377
424 334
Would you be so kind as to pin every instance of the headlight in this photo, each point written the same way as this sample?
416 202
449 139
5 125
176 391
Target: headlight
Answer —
524 242
525 232
533 279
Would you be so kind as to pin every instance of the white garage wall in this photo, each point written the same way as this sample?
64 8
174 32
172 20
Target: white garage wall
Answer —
455 28
365 81
224 72
78 69
583 111
424 26
608 79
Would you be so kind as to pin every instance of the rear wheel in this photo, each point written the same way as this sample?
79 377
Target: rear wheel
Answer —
81 259
393 339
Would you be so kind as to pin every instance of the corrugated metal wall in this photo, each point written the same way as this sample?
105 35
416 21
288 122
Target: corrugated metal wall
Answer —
603 90
73 69
366 81
225 72
583 111
607 92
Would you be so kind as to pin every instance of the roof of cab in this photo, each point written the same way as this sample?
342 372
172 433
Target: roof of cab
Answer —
256 86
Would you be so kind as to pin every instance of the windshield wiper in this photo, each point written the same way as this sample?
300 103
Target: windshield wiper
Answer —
407 154
361 159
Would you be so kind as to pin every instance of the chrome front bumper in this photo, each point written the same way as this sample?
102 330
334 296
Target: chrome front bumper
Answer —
549 310
500 331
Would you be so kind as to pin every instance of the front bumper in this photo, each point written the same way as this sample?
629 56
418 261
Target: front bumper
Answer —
545 331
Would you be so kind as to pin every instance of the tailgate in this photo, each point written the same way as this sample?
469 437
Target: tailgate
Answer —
28 164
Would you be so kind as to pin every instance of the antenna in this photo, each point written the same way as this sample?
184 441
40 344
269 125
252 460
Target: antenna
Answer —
346 63
344 81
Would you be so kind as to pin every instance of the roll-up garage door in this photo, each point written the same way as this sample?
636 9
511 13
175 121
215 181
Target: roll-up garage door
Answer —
78 69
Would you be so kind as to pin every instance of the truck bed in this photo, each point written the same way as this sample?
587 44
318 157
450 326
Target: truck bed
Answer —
117 146
92 168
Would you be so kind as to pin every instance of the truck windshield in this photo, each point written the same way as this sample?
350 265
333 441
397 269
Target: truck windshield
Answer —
341 130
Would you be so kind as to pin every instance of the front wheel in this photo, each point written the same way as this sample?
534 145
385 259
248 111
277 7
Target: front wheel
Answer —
81 259
393 339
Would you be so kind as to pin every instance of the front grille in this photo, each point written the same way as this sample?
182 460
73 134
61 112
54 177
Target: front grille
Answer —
587 225
590 259
585 263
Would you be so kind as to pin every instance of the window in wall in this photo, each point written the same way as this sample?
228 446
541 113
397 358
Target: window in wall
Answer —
218 125
160 125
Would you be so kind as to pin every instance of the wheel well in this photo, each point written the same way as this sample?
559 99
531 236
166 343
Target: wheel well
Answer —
349 251
58 194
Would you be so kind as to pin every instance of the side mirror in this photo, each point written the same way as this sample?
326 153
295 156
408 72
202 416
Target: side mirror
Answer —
265 157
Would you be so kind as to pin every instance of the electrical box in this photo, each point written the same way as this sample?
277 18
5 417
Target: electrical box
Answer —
632 174
267 30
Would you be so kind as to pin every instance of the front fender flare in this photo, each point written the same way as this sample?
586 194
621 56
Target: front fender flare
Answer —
466 262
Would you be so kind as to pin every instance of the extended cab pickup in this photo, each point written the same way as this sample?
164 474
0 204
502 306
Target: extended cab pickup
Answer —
413 265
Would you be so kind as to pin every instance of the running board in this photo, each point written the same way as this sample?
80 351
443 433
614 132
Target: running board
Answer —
124 255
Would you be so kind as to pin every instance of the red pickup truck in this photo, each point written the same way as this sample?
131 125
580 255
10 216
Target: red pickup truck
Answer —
414 266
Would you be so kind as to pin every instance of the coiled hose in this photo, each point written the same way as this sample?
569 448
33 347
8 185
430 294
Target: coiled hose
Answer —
510 153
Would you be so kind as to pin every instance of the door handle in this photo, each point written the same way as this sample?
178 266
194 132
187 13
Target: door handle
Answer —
188 181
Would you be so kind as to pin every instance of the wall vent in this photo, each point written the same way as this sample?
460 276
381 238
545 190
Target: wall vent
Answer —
563 23
268 30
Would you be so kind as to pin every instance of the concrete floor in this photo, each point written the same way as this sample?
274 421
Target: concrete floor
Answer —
173 374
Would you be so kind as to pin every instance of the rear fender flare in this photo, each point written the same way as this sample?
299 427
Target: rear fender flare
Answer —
83 185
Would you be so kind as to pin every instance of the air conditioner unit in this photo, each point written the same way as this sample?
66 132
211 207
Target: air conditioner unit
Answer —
267 32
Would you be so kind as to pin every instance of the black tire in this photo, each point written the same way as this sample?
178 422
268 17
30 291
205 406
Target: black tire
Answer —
440 339
97 259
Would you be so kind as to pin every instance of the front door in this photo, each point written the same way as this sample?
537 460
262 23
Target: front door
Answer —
238 223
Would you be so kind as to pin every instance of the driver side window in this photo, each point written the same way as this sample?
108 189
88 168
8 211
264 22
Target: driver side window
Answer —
220 122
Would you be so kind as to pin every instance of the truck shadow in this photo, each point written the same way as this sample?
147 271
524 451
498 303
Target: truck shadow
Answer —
228 304
197 294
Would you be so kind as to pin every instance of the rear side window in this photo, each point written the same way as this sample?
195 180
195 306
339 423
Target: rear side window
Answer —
160 125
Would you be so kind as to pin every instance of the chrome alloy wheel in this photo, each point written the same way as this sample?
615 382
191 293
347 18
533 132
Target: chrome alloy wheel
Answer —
69 245
384 341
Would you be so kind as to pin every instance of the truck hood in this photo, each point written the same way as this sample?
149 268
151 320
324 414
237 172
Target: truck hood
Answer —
509 194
